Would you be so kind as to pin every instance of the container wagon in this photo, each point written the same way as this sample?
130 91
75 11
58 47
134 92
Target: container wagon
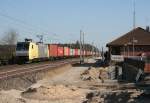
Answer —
60 52
53 53
43 51
66 52
71 52
84 53
88 53
7 54
76 52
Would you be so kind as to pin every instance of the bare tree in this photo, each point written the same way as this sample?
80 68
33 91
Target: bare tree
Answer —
10 37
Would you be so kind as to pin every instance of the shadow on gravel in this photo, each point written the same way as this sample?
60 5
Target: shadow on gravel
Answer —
110 97
117 97
143 98
100 63
83 65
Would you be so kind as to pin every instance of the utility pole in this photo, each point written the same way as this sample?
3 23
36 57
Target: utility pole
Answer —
92 49
102 54
134 23
134 15
95 50
81 59
83 47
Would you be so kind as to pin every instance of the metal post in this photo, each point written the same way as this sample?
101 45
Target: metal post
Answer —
83 47
134 23
70 49
134 15
92 49
124 50
102 54
134 41
130 50
127 50
110 54
80 47
133 46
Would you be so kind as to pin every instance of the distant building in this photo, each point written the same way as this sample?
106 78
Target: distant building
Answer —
132 43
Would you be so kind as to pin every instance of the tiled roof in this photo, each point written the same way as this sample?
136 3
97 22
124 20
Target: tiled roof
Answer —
139 35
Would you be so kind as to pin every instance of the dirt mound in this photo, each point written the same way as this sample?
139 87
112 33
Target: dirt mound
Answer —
12 96
55 92
95 74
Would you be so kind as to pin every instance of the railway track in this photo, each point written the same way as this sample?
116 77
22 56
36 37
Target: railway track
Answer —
32 68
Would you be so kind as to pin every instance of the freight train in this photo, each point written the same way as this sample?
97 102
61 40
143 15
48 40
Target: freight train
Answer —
29 51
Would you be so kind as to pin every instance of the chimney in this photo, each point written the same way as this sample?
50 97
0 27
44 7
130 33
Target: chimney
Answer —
147 28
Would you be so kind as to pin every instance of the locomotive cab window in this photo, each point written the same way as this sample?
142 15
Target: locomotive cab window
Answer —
22 46
32 46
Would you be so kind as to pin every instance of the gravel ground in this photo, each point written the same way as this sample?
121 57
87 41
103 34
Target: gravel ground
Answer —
62 88
70 87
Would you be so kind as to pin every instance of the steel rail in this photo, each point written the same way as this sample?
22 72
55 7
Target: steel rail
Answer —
24 70
28 67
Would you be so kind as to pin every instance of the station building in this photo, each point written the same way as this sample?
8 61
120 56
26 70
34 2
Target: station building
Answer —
133 43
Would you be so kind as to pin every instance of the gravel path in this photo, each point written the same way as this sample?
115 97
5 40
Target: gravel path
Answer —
62 88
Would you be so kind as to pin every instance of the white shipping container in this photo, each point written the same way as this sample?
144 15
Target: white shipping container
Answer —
71 52
42 50
78 51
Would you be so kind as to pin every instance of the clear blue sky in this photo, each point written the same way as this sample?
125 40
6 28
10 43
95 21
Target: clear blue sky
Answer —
61 20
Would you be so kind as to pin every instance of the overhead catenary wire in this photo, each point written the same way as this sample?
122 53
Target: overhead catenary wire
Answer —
23 27
28 27
16 20
32 28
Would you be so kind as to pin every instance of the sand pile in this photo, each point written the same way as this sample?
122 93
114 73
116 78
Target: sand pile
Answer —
55 93
11 96
44 94
95 74
14 96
